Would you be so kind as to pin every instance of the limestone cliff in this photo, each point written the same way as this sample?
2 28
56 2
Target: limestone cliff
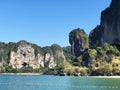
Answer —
49 58
24 57
109 28
24 54
53 55
78 40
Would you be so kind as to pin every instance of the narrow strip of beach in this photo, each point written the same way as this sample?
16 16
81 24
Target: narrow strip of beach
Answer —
37 74
21 74
104 76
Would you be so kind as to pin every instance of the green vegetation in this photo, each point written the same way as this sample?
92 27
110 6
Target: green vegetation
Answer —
54 50
67 52
103 60
98 61
74 70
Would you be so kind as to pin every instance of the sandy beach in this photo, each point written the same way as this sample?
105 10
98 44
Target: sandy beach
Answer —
37 74
104 76
20 73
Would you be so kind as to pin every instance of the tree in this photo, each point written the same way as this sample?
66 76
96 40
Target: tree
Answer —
106 68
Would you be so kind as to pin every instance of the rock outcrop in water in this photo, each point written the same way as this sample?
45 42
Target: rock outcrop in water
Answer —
78 40
109 28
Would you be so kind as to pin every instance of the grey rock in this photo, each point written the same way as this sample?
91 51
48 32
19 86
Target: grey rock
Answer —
109 28
25 56
78 40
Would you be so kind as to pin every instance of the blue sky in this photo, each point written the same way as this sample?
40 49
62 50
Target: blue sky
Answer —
45 22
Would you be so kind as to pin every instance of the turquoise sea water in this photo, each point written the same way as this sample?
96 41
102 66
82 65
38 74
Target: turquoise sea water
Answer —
44 82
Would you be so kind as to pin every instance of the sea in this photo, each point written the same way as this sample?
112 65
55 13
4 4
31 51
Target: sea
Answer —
50 82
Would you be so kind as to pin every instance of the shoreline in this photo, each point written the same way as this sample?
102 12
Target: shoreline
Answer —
39 74
104 76
36 74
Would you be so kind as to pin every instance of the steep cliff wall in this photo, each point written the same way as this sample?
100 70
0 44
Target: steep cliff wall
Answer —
25 57
78 40
109 28
24 54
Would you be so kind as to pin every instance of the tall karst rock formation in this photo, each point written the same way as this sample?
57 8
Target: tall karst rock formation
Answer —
109 28
78 40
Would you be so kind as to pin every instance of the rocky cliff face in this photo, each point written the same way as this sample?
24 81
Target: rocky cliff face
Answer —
49 57
24 54
109 28
25 57
53 55
78 40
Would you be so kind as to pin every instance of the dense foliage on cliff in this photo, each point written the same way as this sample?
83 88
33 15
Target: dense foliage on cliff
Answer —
103 55
26 57
93 61
98 59
101 60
